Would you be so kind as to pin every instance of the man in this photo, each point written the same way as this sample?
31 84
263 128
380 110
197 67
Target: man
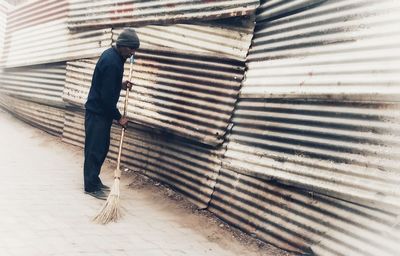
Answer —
101 108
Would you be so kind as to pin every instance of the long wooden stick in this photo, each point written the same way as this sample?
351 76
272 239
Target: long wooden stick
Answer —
118 171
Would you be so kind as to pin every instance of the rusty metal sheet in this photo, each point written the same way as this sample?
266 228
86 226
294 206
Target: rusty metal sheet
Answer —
189 168
312 157
319 106
186 85
323 51
230 38
86 14
42 83
303 221
349 150
191 95
44 25
47 118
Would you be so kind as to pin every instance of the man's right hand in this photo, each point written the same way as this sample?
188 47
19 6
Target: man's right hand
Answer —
123 121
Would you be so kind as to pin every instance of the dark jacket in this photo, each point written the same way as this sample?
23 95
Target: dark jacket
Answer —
106 85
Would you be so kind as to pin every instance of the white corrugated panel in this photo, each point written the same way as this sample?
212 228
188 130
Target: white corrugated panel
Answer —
37 33
303 221
90 13
43 83
4 7
190 169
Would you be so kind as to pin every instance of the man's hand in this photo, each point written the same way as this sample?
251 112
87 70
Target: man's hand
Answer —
126 85
123 122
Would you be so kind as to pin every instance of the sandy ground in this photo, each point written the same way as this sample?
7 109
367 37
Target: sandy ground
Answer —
44 211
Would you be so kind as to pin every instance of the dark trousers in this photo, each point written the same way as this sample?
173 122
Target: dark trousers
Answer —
97 143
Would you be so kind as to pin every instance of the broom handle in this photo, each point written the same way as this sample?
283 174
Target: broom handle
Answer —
117 173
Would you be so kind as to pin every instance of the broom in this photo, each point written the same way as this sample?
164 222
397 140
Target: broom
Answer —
111 210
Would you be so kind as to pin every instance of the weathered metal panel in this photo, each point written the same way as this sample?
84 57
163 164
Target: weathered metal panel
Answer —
230 38
319 105
47 118
336 48
37 33
348 150
4 7
185 85
303 221
172 94
90 13
44 83
274 9
189 168
192 95
312 157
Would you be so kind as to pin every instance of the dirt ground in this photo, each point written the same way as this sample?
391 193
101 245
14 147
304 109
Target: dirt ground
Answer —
202 220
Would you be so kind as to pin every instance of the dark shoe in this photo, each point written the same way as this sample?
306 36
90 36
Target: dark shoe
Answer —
99 194
104 187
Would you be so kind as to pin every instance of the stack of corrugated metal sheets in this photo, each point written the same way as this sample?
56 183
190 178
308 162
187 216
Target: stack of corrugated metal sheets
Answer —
86 14
37 33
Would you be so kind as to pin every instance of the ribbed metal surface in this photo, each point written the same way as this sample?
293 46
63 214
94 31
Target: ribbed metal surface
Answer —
90 13
4 7
191 169
303 221
348 150
186 85
49 119
37 33
336 48
230 38
44 83
314 109
274 9
191 95
312 158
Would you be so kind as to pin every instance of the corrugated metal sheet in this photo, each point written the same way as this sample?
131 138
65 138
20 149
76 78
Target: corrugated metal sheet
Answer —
44 83
340 47
185 85
348 150
311 161
302 221
4 7
191 169
90 13
37 33
172 93
230 38
192 95
314 107
274 9
49 119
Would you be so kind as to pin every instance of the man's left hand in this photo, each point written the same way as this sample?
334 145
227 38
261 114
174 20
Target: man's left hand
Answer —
126 85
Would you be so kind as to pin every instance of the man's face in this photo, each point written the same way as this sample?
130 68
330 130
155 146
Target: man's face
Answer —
127 52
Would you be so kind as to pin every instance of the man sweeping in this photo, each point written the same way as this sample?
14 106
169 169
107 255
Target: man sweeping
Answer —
101 109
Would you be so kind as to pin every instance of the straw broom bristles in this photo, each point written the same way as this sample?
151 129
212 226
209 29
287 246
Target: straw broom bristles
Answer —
111 211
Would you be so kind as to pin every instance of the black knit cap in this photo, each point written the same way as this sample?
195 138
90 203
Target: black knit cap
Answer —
129 38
